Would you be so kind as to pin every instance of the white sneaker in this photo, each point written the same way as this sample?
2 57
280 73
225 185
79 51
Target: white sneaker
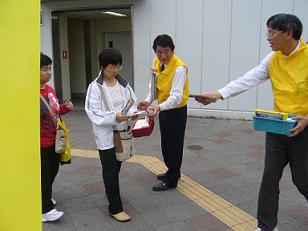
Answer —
53 201
258 229
52 215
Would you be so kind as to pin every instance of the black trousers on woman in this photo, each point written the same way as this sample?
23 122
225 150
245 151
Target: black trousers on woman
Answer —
280 151
111 169
49 170
172 131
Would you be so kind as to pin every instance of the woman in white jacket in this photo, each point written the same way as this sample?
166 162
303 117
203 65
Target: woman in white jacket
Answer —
109 87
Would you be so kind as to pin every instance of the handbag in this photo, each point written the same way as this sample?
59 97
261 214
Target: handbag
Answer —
117 141
123 145
65 156
122 140
61 139
142 127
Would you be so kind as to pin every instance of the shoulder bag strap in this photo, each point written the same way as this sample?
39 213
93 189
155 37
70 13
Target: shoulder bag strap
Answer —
103 97
105 101
52 114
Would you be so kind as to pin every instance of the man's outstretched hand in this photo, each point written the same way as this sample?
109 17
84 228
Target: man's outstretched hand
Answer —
208 97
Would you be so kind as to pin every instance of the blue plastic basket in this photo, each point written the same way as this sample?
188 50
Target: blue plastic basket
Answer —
273 125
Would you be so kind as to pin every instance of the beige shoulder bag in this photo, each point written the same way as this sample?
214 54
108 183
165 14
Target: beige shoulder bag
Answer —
60 142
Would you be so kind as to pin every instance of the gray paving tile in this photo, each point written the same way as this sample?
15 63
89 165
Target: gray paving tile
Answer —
137 223
69 191
100 199
147 204
287 223
177 226
58 226
90 219
206 222
79 204
134 192
186 209
159 217
250 206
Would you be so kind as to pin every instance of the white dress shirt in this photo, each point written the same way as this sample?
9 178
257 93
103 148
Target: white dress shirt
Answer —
176 92
252 78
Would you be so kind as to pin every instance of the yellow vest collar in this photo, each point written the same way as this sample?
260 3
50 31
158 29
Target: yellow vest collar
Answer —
168 67
302 45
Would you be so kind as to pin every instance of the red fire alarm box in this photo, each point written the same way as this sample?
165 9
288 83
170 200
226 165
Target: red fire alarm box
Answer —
64 54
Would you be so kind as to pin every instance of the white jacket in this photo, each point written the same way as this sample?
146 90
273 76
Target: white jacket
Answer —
103 121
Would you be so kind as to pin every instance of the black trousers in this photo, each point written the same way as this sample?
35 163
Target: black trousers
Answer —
281 150
111 169
49 170
172 131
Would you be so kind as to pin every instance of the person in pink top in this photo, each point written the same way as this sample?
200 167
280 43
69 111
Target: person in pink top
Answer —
49 159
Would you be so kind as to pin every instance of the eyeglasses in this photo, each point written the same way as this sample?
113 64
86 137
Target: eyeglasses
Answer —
165 52
115 67
271 33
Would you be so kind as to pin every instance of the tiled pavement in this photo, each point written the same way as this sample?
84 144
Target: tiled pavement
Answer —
222 156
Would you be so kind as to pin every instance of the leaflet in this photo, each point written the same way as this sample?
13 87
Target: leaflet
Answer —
141 124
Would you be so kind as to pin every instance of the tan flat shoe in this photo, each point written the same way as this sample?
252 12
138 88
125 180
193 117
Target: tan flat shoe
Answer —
122 216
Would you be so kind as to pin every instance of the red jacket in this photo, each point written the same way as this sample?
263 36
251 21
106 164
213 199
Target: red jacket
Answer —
48 128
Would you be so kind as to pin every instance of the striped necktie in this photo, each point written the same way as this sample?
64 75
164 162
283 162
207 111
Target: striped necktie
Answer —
162 67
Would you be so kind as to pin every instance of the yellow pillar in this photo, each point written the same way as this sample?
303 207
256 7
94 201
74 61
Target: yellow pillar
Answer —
20 194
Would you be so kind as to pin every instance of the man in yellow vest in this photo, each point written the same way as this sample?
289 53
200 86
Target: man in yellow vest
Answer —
287 68
172 94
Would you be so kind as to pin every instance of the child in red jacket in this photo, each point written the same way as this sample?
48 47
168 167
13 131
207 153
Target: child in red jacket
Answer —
49 159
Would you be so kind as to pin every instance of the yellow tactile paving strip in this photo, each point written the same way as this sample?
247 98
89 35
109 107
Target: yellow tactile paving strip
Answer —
229 214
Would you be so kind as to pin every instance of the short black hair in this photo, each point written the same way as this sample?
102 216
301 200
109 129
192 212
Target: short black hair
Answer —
163 40
286 23
45 60
109 56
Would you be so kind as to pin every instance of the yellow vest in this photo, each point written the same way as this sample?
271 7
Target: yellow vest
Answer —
289 76
165 77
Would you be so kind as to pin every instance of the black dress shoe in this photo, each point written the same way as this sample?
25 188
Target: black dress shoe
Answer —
162 187
161 177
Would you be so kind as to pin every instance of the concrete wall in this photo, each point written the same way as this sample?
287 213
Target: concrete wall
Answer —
77 55
65 69
219 41
46 34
